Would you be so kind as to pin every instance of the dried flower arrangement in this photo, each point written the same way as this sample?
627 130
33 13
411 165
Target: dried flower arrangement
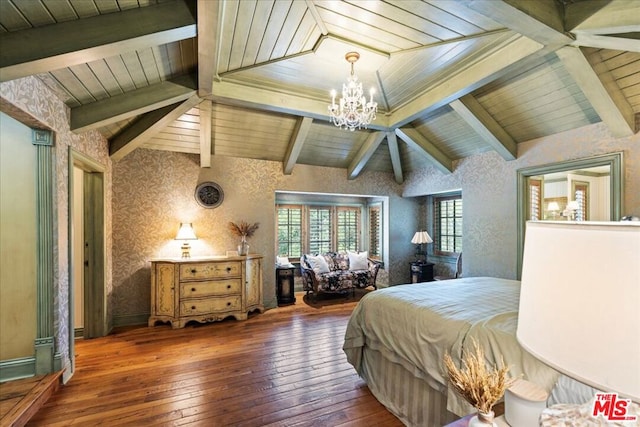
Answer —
478 385
243 229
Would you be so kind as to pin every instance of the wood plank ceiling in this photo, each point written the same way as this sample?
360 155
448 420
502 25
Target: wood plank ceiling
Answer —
251 78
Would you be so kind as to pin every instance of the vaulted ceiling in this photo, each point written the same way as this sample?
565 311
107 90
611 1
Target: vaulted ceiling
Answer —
251 78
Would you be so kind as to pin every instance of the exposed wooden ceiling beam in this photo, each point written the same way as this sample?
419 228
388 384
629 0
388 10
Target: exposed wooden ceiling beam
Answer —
208 40
147 126
601 90
205 133
540 20
394 153
484 70
230 93
630 42
51 47
298 138
422 145
364 154
603 16
130 104
470 110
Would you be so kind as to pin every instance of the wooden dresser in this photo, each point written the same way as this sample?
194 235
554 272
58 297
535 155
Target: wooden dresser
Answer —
205 289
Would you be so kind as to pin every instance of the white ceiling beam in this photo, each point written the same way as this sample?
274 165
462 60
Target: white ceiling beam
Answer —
316 16
299 136
603 16
601 90
51 47
147 126
539 20
394 153
235 94
364 154
130 104
426 148
482 71
208 41
205 133
627 43
470 110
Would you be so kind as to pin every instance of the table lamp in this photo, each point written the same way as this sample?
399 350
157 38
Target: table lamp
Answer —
420 238
186 233
580 302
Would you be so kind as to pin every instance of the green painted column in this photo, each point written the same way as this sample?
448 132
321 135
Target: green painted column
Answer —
44 343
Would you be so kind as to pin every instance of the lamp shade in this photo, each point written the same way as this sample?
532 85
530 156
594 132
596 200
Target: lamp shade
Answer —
553 206
573 205
185 232
580 301
421 237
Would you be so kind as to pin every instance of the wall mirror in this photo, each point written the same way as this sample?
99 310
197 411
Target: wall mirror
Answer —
587 189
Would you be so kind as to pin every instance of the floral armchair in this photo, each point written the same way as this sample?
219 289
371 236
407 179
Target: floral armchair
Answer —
334 272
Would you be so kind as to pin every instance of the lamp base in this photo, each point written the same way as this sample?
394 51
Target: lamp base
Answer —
186 250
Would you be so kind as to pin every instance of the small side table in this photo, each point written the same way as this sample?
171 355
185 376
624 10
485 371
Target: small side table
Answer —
421 272
284 285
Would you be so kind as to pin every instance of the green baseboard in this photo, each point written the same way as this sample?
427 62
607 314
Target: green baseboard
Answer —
23 367
131 320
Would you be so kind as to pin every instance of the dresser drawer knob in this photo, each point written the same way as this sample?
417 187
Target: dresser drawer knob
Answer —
193 289
193 271
228 269
228 304
193 307
228 286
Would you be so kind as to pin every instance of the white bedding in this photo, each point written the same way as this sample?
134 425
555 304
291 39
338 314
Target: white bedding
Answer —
414 325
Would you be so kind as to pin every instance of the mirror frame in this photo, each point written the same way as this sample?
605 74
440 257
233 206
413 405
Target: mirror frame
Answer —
613 160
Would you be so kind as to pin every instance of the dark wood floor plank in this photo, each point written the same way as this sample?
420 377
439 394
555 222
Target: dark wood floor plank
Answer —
283 367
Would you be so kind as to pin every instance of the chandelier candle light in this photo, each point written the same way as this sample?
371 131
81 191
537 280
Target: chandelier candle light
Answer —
353 110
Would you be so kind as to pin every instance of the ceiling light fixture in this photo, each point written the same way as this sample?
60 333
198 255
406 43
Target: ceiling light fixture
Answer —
353 111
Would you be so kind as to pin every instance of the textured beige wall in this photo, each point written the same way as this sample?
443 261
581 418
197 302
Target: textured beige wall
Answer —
489 191
154 192
17 240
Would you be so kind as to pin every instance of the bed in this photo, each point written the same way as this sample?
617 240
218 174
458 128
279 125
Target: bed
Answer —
396 339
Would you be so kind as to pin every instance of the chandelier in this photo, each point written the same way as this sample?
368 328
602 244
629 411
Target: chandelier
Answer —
353 110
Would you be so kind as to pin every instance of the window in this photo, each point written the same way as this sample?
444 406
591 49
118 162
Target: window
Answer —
581 192
290 231
447 224
319 230
348 233
535 199
308 228
375 232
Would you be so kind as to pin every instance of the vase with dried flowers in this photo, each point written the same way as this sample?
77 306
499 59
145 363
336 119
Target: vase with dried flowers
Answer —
244 230
482 387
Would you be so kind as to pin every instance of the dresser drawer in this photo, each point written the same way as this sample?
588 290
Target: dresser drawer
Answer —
210 305
210 270
210 288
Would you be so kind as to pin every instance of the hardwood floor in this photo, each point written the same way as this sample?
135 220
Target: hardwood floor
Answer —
284 367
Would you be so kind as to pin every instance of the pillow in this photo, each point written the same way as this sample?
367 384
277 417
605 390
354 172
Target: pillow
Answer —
358 260
318 263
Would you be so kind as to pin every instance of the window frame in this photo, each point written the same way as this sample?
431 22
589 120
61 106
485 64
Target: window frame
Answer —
437 232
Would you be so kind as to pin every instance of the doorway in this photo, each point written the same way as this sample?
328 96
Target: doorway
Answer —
87 292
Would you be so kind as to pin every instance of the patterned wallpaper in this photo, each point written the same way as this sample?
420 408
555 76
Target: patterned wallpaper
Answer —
489 191
31 102
154 191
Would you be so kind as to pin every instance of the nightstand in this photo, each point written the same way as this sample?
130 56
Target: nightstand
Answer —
421 272
284 285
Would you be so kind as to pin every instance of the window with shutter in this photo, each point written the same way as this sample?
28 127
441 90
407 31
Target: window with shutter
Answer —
535 199
289 231
375 232
447 224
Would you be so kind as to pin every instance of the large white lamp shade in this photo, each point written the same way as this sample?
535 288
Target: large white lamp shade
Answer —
580 301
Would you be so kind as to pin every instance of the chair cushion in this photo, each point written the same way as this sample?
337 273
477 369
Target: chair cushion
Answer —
358 260
318 263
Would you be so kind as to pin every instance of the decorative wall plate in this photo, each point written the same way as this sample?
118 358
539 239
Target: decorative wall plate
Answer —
209 195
